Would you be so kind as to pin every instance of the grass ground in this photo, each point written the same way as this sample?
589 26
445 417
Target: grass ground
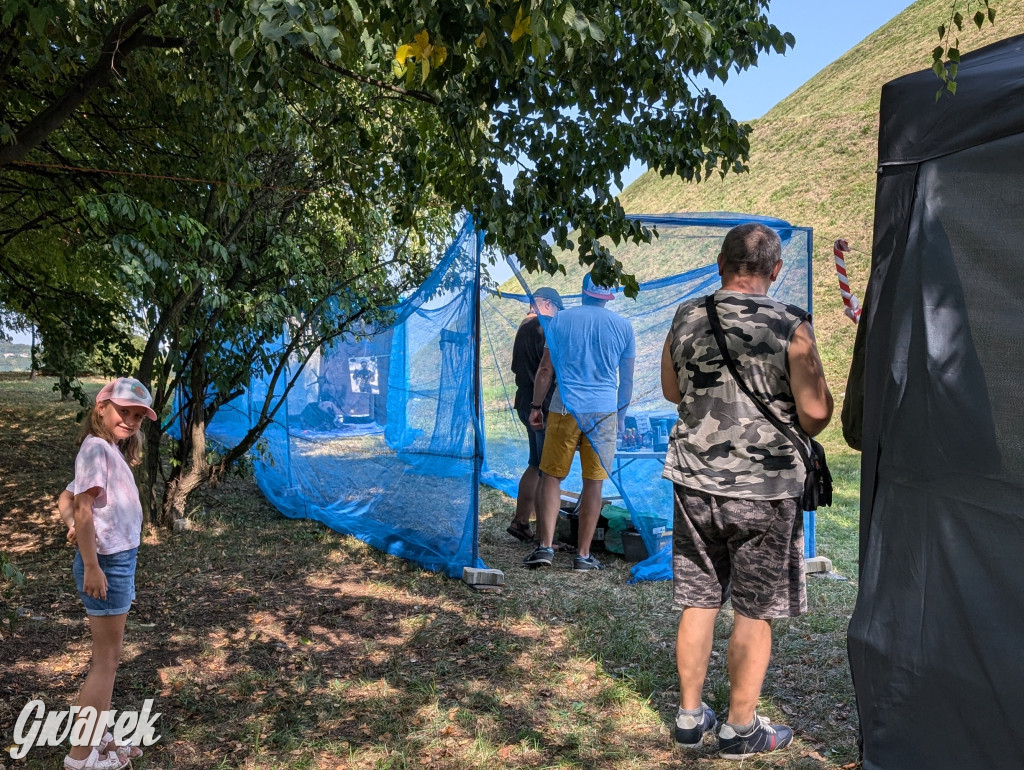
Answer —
273 643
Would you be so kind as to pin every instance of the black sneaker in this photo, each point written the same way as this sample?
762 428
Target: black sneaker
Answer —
763 737
540 557
690 729
583 563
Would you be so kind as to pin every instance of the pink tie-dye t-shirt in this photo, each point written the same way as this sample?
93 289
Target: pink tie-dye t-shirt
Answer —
117 511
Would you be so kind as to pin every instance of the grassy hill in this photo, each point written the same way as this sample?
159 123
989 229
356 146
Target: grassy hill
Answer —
813 159
15 357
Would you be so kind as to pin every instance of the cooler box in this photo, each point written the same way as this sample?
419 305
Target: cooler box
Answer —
633 548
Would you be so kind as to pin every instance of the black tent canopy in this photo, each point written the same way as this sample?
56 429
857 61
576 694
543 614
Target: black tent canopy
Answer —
936 403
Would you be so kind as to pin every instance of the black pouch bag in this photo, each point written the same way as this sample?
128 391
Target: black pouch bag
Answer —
818 482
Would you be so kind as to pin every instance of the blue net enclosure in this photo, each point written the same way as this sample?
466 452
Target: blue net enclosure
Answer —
388 433
380 435
678 264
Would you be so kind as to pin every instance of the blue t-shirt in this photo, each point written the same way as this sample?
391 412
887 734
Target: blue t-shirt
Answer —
587 343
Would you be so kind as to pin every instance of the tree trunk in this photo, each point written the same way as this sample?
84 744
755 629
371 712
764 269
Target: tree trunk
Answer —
194 468
195 471
150 472
152 434
33 367
177 493
64 383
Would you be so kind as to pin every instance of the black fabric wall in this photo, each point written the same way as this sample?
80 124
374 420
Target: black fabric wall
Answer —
936 402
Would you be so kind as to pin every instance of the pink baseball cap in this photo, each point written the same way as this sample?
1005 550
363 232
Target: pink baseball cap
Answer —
596 291
127 391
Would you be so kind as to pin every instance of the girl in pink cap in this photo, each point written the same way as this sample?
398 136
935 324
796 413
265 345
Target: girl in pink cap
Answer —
107 527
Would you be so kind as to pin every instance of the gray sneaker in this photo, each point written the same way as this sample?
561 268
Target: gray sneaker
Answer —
690 730
540 557
585 563
763 737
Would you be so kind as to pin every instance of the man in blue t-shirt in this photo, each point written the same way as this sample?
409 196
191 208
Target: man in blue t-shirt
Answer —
593 351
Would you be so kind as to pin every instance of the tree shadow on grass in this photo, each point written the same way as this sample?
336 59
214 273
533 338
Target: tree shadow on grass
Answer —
278 642
269 642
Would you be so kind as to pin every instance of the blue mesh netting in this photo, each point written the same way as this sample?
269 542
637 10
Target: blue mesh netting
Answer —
399 463
395 459
689 243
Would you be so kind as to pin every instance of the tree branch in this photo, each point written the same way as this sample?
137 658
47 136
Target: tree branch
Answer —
116 47
421 96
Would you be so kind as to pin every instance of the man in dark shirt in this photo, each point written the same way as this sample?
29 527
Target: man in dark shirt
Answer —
527 351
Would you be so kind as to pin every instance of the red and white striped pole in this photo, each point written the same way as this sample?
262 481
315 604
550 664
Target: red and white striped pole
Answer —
852 305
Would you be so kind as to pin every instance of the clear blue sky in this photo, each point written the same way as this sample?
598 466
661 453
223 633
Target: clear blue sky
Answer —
824 31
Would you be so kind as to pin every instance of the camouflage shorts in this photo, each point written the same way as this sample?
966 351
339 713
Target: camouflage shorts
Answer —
752 550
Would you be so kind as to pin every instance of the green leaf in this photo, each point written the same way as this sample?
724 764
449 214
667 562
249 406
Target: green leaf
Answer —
581 23
569 15
274 31
239 48
37 18
357 14
958 19
539 40
979 19
327 34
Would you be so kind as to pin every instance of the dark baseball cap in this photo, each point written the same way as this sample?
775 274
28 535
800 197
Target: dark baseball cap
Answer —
546 292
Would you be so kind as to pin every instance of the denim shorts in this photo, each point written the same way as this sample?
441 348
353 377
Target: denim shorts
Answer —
536 438
119 569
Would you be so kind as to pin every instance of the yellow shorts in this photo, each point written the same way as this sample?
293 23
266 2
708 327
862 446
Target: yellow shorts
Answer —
563 436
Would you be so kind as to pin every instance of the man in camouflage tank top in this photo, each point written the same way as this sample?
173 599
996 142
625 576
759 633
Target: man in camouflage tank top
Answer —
738 529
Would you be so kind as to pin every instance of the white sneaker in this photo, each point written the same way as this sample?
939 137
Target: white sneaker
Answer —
95 761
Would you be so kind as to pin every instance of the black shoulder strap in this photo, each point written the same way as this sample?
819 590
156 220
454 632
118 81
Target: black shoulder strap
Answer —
716 327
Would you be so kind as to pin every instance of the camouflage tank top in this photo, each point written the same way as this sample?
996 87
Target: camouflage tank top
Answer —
721 444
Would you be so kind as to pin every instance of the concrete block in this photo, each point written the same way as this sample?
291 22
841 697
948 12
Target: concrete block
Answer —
474 576
817 564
